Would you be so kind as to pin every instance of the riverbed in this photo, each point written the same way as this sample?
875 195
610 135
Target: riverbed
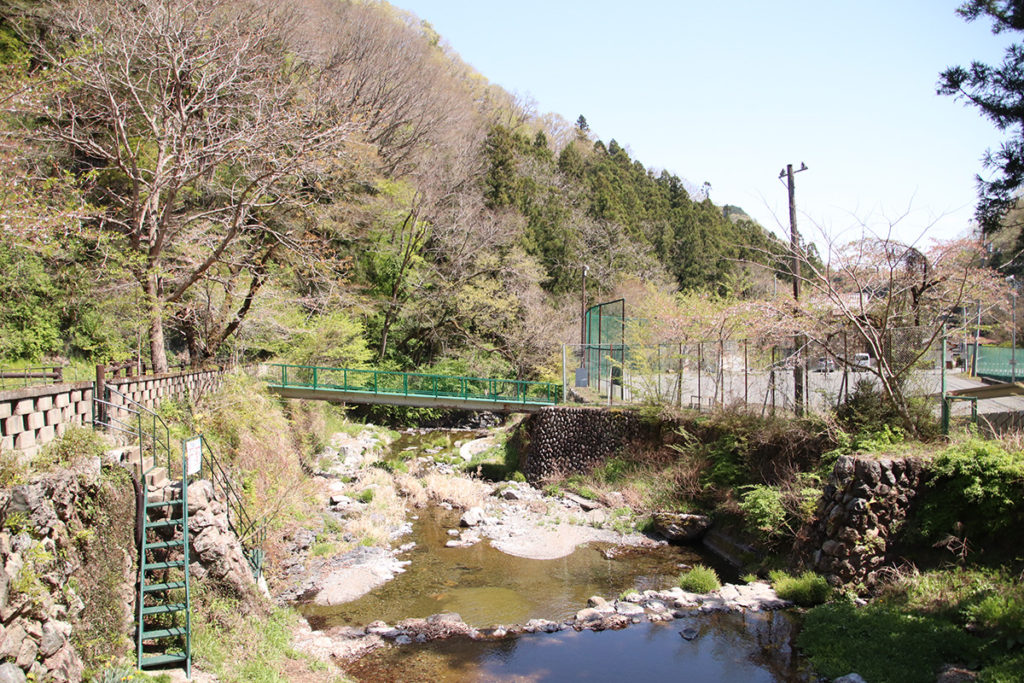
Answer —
489 589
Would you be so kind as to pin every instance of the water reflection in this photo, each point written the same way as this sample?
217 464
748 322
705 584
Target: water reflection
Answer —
755 647
487 587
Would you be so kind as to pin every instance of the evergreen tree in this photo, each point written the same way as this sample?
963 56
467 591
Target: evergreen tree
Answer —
998 91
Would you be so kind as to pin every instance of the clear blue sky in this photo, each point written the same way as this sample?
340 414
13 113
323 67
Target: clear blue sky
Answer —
729 93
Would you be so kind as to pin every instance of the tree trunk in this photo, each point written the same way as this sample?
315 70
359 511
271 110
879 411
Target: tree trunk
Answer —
156 325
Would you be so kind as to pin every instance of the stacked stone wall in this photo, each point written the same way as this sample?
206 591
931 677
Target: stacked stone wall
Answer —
858 518
33 416
67 573
569 440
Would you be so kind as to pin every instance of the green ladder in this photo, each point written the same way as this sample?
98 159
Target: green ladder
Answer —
164 602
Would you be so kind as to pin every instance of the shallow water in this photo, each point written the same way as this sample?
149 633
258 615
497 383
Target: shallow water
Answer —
487 587
728 648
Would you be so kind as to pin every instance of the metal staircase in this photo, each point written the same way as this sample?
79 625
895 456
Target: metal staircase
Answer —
163 598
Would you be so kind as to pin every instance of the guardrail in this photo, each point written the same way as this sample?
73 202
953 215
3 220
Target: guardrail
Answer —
251 532
30 375
416 384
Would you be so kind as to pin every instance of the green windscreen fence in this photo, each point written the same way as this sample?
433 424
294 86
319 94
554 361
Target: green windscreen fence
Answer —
605 348
995 362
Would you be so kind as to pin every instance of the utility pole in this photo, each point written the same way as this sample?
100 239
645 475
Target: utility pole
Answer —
794 246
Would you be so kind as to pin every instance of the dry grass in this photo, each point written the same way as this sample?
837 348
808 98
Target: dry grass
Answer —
455 490
383 512
412 488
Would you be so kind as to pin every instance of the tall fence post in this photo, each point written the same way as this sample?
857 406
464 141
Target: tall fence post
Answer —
99 394
700 363
746 391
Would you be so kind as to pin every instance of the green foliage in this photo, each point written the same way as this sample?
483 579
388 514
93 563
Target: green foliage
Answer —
76 445
365 496
807 590
330 340
29 316
700 579
977 490
240 644
763 509
839 638
868 416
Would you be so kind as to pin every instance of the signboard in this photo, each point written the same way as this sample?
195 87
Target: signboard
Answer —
582 377
193 456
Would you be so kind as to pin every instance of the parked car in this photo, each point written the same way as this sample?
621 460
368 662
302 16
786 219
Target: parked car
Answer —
825 364
861 362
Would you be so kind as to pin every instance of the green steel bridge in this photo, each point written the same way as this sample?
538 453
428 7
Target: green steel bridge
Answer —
349 385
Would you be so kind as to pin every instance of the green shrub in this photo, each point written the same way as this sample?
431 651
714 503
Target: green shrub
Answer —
699 579
76 445
763 509
365 496
978 489
807 590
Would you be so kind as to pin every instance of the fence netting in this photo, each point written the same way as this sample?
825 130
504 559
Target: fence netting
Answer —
817 376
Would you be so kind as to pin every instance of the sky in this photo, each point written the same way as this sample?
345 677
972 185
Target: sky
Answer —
729 93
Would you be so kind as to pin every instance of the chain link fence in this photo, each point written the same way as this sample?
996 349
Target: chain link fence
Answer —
764 378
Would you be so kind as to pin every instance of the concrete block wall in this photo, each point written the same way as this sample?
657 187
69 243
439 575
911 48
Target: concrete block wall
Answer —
33 416
149 390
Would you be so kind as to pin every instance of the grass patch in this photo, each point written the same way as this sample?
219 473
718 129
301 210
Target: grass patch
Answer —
807 590
700 579
968 616
881 643
245 646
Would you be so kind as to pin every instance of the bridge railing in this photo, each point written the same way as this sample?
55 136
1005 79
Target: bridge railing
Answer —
414 384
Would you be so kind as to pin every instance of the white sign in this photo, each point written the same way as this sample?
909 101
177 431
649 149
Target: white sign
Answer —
193 455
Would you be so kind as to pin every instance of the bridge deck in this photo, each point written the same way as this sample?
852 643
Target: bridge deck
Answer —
411 389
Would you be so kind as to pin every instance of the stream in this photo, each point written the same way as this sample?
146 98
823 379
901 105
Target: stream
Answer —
487 587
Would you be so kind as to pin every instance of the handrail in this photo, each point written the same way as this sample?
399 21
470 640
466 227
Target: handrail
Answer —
250 532
137 409
418 384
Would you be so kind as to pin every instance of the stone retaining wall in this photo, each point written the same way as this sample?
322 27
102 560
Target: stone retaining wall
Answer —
32 417
860 513
568 440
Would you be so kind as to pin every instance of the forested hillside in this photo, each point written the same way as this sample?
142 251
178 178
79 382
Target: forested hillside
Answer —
325 182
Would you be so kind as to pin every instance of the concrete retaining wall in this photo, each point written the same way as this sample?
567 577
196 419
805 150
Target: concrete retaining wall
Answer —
32 417
564 440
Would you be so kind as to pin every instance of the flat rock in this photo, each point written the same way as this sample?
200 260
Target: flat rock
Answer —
628 609
680 526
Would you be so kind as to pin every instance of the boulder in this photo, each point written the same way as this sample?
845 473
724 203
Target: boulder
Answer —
10 673
473 517
680 526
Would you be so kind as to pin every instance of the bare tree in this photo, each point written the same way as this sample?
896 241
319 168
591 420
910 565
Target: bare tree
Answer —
893 298
192 128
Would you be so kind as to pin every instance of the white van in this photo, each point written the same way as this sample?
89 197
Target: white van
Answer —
861 362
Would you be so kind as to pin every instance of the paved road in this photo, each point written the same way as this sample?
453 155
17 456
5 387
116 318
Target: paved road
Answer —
823 389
